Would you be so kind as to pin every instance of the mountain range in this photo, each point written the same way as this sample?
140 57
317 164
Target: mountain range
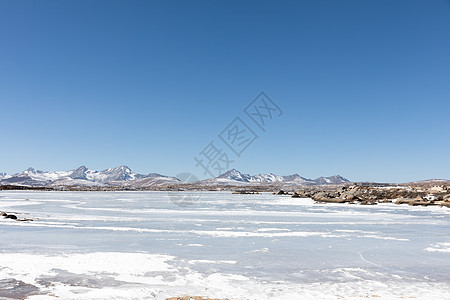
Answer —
125 177
237 178
82 176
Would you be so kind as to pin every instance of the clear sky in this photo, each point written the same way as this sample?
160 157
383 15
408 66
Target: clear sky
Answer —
364 85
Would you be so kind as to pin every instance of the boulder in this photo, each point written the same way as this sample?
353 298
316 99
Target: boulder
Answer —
446 204
333 200
405 201
320 196
368 202
418 203
385 200
350 196
281 192
328 197
443 203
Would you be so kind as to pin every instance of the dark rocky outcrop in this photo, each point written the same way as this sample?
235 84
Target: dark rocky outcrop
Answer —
281 192
16 289
11 187
13 217
371 195
246 192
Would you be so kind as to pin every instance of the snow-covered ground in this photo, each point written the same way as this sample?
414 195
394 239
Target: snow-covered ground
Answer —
141 245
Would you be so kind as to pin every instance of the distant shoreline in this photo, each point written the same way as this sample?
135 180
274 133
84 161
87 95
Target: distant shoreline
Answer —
414 194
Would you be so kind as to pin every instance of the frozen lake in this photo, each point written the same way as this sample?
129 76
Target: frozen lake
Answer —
98 245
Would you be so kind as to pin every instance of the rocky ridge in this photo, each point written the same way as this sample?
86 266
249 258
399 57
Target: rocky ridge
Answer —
366 195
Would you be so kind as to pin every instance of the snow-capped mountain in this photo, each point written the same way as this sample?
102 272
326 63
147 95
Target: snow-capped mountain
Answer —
235 177
260 178
122 173
4 176
83 176
152 179
123 176
337 179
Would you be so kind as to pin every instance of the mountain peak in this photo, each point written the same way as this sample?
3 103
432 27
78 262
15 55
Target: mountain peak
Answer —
336 179
122 168
79 173
81 169
31 170
120 173
234 174
230 172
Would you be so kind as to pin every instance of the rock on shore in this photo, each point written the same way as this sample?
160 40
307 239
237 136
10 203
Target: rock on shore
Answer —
12 217
365 195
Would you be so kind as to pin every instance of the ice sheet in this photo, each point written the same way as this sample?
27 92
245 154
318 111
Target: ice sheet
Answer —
141 245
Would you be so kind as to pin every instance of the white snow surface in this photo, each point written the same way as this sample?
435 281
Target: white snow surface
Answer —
150 245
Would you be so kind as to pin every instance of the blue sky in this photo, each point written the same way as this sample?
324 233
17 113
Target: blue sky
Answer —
364 85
